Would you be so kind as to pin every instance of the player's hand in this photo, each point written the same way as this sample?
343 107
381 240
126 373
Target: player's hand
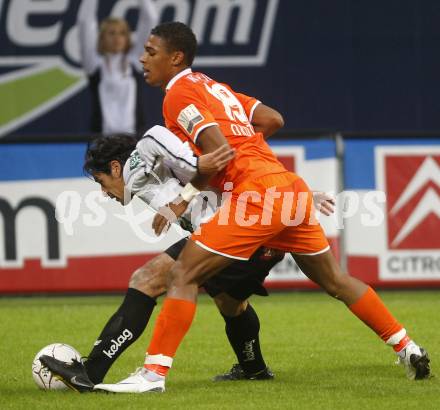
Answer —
324 202
215 161
168 214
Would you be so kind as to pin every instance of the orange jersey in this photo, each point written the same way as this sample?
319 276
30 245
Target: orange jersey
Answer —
194 102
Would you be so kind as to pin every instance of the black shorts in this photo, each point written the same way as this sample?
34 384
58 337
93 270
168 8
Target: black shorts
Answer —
241 279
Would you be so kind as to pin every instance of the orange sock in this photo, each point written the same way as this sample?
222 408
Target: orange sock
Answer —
370 309
402 344
173 322
158 369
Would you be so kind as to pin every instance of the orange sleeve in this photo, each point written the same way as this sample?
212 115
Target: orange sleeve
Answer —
186 109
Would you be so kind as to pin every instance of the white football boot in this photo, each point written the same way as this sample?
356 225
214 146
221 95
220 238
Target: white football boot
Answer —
416 361
137 382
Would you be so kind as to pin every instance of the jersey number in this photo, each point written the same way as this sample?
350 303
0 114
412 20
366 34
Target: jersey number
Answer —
233 108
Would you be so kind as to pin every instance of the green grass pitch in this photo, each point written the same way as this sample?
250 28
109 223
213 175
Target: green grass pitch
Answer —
323 357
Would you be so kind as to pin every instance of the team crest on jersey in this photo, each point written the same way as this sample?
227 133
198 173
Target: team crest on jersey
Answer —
135 160
189 117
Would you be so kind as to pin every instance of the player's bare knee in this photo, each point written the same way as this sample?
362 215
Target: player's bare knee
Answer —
148 281
337 285
151 278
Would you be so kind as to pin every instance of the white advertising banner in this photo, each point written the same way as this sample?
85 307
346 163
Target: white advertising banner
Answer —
403 249
58 232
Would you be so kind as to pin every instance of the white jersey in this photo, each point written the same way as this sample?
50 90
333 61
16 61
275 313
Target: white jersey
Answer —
157 171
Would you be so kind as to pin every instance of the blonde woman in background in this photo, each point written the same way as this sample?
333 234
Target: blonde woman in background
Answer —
111 62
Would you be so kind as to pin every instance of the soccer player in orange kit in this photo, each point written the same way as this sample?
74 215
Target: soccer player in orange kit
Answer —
264 204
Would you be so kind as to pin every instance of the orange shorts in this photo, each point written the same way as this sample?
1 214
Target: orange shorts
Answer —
275 211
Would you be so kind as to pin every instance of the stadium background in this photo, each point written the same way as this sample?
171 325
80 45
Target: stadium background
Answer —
357 83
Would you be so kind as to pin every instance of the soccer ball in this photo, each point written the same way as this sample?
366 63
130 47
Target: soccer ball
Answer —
43 377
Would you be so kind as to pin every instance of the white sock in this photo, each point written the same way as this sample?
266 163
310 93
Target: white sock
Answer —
410 347
152 376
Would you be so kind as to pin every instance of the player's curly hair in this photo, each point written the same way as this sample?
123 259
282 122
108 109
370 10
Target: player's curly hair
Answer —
102 150
179 37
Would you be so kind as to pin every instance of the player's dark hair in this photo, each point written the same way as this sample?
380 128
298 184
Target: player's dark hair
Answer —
102 150
179 37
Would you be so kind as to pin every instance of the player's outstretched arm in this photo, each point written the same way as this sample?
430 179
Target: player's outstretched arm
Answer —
209 141
214 162
266 120
88 35
148 18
